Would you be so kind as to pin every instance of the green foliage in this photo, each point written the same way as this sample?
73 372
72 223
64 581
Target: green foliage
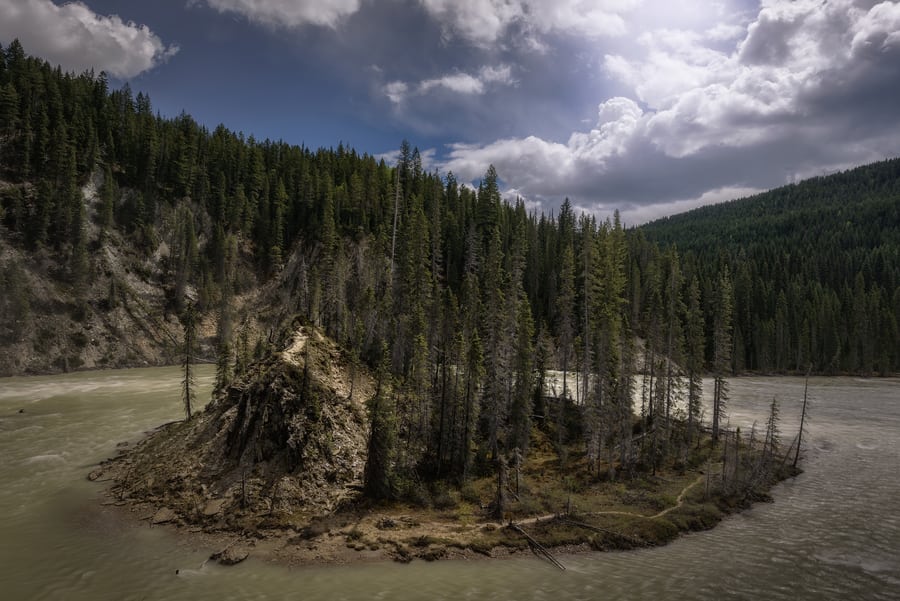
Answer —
15 304
379 472
814 265
189 323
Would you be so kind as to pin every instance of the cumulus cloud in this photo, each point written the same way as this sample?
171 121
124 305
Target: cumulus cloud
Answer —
288 13
484 22
77 38
457 82
806 87
479 22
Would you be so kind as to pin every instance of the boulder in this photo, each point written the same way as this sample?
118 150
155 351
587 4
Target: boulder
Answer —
163 516
230 556
213 507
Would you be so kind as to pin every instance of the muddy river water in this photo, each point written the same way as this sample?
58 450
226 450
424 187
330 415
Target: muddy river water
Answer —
832 533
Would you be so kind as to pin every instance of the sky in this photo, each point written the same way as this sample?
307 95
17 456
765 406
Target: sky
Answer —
651 107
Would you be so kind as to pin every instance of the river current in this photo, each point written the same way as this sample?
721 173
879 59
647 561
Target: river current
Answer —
831 533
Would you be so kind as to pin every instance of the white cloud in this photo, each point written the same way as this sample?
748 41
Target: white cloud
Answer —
396 91
485 22
537 166
879 29
77 38
289 13
457 82
805 86
462 83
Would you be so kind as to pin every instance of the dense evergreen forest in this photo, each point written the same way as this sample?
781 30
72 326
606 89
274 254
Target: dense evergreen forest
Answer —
460 301
815 268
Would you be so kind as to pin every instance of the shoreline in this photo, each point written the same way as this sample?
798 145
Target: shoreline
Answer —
398 533
211 361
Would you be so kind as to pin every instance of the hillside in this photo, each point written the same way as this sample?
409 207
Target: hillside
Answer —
815 267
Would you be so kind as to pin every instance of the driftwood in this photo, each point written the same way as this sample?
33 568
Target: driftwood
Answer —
537 547
630 539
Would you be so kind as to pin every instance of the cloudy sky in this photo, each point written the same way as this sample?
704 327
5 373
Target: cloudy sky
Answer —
648 106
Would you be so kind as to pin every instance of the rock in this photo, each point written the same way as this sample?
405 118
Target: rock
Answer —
162 516
95 474
230 556
213 507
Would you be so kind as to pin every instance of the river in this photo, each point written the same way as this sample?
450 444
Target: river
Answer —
832 533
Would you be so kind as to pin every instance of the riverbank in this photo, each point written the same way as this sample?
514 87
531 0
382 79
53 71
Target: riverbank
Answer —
570 514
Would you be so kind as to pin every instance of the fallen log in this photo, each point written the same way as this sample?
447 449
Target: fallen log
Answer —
537 547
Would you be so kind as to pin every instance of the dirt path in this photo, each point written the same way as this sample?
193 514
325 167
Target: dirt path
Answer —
678 503
680 500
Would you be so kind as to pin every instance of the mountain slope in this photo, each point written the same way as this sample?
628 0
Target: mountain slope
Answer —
816 268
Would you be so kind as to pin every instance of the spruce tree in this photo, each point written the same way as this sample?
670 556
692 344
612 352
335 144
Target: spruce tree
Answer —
379 471
189 324
721 349
696 343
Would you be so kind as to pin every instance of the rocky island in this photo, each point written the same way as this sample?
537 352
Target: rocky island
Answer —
275 466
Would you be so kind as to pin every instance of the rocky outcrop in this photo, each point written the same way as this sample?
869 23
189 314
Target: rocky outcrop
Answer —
282 444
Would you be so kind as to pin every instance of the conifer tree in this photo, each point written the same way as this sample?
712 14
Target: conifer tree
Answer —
189 323
224 372
379 471
721 350
696 344
521 410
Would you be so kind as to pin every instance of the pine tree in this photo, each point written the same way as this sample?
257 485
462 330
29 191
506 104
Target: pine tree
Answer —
379 471
696 344
721 350
521 410
224 373
189 323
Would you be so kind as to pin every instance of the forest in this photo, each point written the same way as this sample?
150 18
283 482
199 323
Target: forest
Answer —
815 268
461 302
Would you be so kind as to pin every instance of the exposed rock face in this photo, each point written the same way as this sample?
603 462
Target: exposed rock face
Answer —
286 442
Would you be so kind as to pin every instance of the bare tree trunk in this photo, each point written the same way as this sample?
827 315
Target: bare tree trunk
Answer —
802 418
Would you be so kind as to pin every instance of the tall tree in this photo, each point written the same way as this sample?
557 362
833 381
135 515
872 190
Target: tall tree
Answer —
722 341
379 471
696 343
189 323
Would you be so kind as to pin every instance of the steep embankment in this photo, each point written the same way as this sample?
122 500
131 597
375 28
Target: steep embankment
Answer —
283 444
120 313
114 318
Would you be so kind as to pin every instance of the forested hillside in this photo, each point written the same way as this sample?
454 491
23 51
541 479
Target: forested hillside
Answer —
460 301
815 268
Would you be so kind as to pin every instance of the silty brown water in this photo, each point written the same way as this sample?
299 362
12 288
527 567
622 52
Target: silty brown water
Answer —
832 533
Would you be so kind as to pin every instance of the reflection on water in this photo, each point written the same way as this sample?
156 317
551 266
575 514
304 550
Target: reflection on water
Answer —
832 533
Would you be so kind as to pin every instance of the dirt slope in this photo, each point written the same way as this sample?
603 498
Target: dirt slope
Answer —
284 443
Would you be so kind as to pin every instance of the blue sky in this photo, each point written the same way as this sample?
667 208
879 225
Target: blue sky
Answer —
647 106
